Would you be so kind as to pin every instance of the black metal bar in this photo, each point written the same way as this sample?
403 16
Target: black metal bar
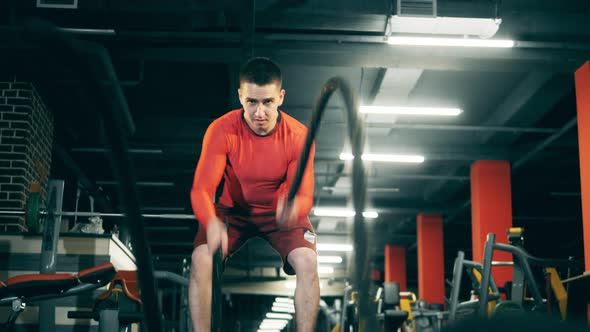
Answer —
49 244
521 255
108 320
184 317
345 302
456 285
488 254
172 277
518 284
479 268
457 274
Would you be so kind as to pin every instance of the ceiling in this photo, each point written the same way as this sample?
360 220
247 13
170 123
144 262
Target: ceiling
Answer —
177 63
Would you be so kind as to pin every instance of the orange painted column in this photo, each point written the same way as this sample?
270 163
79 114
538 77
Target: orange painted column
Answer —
431 259
395 266
583 105
491 211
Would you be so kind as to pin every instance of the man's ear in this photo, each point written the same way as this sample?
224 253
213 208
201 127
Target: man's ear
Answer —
281 96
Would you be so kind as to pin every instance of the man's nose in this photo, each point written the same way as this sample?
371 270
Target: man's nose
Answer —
259 110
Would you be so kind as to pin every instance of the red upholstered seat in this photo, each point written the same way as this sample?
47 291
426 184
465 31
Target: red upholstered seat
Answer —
101 274
28 285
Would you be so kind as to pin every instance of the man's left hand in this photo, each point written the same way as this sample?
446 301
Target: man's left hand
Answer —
286 213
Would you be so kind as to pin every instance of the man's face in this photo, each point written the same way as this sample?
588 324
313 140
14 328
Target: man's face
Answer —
261 105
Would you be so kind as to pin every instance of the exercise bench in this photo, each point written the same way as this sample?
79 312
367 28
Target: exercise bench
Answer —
28 288
118 307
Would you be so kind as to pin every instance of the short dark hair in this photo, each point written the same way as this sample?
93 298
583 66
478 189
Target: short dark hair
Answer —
260 71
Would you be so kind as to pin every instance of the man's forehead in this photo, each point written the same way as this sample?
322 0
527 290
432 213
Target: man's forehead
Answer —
260 91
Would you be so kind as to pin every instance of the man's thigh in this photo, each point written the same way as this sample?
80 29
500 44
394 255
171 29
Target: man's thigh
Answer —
284 242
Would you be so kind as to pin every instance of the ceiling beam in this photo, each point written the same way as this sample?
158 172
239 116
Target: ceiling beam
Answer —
522 94
334 52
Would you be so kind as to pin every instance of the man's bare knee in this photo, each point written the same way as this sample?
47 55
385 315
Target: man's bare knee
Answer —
304 262
201 261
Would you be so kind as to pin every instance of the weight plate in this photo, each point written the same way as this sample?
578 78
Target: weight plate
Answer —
33 216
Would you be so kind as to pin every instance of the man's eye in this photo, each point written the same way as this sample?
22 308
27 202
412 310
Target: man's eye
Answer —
267 102
251 102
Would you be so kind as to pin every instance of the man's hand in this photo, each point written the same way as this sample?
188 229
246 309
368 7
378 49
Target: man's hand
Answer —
286 213
216 236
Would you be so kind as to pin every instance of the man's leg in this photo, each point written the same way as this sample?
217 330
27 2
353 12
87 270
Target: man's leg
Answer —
307 294
199 289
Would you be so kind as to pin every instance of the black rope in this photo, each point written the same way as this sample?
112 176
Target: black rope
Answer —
93 64
216 301
367 318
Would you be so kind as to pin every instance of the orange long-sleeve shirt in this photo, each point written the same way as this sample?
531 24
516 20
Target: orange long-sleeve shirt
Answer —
256 169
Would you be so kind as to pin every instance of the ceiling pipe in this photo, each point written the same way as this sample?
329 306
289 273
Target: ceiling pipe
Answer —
401 176
541 146
529 130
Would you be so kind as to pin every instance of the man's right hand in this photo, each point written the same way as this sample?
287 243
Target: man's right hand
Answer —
216 236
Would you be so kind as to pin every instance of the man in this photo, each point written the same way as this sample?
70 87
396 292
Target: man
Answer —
255 151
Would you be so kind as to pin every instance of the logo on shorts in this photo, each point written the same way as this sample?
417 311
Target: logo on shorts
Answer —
309 236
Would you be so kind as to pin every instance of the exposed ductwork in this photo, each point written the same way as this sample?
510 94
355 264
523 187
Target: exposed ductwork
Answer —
416 8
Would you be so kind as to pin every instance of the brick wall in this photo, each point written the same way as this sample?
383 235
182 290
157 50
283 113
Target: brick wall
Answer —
26 140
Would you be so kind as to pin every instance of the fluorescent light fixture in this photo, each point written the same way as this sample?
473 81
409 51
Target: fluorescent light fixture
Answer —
330 259
284 300
279 316
283 309
342 213
460 26
325 269
403 110
268 321
333 247
370 214
393 158
382 190
271 327
370 190
451 42
265 325
288 285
